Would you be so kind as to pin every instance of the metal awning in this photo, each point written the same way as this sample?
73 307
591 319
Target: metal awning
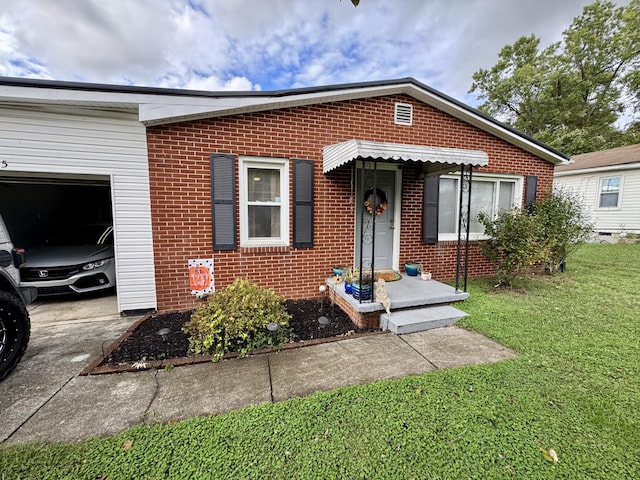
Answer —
436 160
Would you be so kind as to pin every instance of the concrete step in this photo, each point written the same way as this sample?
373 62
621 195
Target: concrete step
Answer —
420 319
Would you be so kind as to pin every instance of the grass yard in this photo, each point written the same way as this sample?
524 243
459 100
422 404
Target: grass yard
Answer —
574 388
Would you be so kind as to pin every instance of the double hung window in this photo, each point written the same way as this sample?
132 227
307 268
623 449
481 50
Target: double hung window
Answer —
609 192
264 200
489 194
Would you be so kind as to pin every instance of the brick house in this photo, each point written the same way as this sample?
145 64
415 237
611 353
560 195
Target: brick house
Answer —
275 185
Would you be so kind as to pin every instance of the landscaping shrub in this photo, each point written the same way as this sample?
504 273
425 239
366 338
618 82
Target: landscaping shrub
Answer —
235 319
554 228
513 244
564 226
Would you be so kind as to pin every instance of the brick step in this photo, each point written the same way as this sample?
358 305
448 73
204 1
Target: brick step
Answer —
420 319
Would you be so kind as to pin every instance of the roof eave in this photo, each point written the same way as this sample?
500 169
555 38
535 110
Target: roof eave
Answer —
158 106
609 168
155 115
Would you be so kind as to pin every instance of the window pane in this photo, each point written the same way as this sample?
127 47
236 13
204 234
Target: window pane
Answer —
482 194
610 184
264 222
447 209
505 196
609 200
264 185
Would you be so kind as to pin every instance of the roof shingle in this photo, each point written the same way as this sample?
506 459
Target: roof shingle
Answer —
604 158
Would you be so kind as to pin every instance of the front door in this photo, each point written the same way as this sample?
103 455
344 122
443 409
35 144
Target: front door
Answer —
375 206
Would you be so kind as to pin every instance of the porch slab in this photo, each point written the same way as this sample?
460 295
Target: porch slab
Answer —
405 293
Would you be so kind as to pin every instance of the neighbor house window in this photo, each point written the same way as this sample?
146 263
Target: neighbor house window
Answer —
609 192
488 194
264 201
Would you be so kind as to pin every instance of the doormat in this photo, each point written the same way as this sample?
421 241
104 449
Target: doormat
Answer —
388 275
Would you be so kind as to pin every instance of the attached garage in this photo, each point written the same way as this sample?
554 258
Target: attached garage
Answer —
89 158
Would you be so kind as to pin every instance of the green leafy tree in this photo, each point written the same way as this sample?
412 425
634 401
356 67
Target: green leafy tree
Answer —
571 93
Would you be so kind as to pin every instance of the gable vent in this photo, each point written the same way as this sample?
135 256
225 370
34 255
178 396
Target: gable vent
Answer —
404 114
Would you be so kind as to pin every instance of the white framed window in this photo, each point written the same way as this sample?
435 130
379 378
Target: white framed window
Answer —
489 193
609 196
264 201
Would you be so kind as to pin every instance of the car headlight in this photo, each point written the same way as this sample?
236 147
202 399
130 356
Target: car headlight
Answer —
96 264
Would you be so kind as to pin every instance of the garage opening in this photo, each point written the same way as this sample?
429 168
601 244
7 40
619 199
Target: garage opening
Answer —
65 224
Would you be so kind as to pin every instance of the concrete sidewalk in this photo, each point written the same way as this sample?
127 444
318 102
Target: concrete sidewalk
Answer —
45 399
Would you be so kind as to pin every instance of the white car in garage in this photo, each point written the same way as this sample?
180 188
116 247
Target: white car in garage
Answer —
79 259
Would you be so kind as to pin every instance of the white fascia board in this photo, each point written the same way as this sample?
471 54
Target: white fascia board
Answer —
87 97
612 168
225 106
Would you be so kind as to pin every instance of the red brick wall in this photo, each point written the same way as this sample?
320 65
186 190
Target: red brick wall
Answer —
180 191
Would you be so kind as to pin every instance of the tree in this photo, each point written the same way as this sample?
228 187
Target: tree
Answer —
571 94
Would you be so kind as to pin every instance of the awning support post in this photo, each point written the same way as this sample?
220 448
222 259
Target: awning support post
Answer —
464 221
373 224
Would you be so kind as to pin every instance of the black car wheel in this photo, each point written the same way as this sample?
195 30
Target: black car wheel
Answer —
15 328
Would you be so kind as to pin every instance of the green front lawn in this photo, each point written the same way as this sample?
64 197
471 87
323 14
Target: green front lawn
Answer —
574 388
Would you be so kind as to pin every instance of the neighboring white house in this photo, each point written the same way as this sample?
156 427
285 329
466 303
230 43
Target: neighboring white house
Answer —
609 184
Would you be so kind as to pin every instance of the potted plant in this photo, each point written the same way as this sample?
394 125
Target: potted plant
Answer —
348 280
412 268
362 285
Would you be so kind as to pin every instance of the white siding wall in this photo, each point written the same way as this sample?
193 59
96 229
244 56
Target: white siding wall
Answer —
626 218
105 144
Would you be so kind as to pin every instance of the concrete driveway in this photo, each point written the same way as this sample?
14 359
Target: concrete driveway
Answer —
65 336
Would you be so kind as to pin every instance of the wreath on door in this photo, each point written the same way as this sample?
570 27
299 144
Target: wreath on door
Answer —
375 201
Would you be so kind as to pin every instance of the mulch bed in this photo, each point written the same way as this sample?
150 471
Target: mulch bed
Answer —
143 344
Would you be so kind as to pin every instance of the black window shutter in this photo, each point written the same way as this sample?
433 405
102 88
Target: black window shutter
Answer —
530 190
223 200
302 203
430 204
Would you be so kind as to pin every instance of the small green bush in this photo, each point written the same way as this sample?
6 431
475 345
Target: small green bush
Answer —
513 244
564 227
556 226
235 319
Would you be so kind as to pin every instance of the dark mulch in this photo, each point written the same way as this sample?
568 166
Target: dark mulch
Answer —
145 344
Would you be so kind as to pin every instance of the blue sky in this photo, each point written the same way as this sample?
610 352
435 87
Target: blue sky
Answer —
269 44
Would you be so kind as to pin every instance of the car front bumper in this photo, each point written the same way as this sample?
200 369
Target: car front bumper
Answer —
101 278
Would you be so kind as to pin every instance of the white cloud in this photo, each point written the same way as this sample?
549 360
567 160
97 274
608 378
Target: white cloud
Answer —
276 44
